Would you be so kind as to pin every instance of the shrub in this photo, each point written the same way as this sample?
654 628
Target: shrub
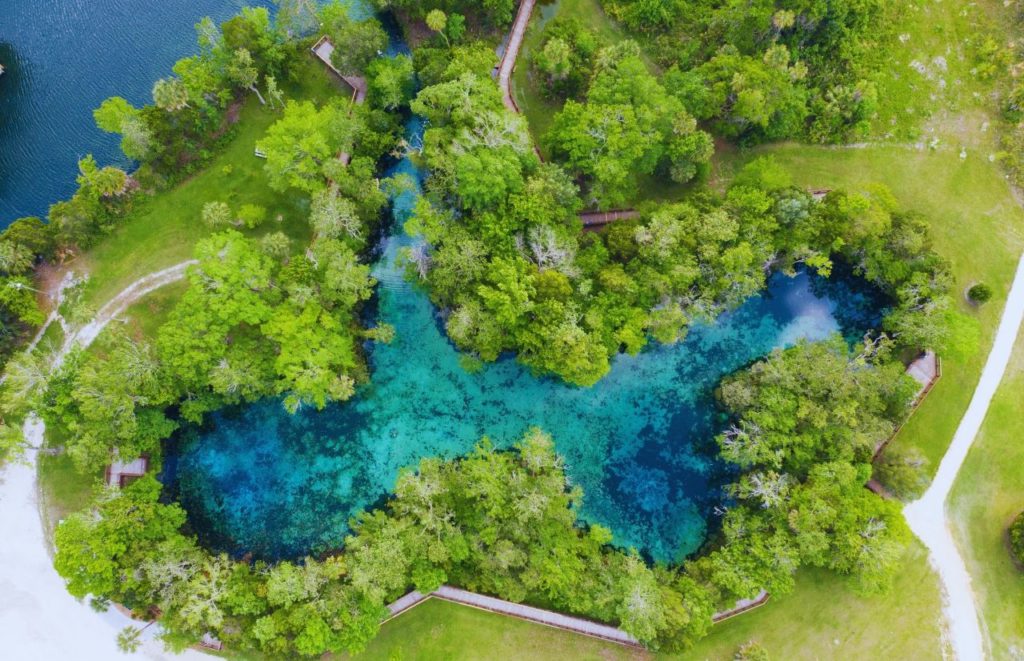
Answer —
751 651
1017 539
980 293
216 214
252 215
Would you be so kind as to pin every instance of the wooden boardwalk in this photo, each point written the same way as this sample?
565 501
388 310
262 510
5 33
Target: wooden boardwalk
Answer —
597 219
511 54
742 606
521 611
323 49
926 371
549 618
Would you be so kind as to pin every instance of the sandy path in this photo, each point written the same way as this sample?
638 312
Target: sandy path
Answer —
927 515
38 618
117 305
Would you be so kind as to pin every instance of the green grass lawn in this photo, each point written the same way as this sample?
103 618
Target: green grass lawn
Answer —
927 68
145 317
822 619
439 629
62 489
988 493
162 230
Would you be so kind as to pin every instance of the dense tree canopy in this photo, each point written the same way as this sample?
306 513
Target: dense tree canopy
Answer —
765 69
628 127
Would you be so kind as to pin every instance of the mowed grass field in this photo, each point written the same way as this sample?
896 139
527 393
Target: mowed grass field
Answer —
988 493
438 629
822 619
163 229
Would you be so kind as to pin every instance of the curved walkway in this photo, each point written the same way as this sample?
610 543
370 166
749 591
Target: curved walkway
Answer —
511 54
40 620
129 295
927 515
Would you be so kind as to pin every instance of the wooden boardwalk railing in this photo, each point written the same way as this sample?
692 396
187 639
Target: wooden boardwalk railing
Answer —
926 370
548 618
598 219
323 49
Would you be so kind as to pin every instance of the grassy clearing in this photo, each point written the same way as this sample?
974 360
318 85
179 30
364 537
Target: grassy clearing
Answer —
928 70
975 223
146 317
988 493
822 619
162 230
439 629
62 489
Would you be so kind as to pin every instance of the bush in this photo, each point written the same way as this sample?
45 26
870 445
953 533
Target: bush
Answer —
979 293
751 651
1017 539
252 215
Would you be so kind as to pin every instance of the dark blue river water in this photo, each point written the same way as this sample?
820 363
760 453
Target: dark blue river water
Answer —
63 57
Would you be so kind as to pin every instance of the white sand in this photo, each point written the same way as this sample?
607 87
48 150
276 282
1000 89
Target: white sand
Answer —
927 516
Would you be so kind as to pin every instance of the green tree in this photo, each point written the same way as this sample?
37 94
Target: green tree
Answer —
216 215
93 544
437 21
302 141
170 94
315 352
391 82
357 43
242 72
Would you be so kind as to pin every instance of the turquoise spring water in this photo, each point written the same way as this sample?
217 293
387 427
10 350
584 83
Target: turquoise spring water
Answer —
256 479
639 442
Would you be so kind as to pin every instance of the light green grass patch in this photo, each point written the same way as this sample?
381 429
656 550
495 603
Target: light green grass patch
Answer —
929 65
988 493
437 630
823 619
62 489
146 316
162 230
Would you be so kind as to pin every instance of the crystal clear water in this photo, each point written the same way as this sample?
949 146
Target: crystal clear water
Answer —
639 442
63 57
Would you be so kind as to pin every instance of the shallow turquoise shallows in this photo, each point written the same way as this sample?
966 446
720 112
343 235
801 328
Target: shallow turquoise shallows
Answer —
63 57
639 442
